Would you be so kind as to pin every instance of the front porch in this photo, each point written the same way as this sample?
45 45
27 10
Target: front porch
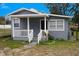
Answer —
29 27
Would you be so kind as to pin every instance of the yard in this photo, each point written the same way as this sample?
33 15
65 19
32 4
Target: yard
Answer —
6 40
50 47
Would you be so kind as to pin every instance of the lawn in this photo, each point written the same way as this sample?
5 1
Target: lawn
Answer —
61 43
58 48
53 48
49 48
6 40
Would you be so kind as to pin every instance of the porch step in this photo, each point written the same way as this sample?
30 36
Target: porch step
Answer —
34 41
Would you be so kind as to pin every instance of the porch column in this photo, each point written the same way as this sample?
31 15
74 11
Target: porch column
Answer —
45 23
28 24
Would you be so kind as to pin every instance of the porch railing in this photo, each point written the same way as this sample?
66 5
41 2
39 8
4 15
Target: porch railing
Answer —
20 33
23 33
42 35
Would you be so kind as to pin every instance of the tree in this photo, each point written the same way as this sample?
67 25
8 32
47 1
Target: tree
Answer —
2 20
62 8
76 20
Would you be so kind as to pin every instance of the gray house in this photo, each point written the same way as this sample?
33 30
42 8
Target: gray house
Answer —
29 24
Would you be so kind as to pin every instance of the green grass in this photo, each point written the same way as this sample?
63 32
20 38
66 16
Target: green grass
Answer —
6 40
61 43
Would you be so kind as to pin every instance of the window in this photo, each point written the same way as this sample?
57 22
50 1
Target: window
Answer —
60 25
16 22
52 25
56 25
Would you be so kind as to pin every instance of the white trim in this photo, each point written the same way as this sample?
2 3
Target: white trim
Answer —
42 15
13 33
31 10
17 22
45 23
56 25
28 25
60 15
29 15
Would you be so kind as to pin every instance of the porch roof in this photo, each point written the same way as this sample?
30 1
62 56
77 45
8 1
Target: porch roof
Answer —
29 15
60 15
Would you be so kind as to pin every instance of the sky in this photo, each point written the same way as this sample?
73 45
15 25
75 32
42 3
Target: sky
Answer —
7 8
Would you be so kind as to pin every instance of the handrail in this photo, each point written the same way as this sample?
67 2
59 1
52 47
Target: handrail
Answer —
40 35
30 36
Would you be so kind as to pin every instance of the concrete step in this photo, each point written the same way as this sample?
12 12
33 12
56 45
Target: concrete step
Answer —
35 40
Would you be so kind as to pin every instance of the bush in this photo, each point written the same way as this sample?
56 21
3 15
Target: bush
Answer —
50 37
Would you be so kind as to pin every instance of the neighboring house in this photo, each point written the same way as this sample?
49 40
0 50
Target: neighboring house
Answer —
29 23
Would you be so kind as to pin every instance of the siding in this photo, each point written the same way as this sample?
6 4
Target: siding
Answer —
60 34
35 25
23 23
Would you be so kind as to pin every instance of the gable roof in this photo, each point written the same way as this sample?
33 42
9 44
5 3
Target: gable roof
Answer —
30 10
37 12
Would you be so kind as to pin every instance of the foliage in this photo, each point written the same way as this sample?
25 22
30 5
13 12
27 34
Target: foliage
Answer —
8 22
62 8
2 20
50 37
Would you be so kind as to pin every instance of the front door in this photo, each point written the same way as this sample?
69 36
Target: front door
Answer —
42 24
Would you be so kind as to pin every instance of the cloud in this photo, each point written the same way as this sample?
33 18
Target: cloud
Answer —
3 6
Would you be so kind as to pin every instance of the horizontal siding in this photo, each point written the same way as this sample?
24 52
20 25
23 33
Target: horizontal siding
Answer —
60 34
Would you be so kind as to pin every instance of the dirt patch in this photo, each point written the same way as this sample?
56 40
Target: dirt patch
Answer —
40 51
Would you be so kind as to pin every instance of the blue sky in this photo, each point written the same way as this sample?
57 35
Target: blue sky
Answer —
9 7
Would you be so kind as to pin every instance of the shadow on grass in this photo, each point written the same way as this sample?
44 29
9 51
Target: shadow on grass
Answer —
5 36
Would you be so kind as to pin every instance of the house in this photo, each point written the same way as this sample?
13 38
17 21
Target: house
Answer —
28 24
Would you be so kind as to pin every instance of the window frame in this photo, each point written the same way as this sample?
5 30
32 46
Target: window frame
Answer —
56 29
18 22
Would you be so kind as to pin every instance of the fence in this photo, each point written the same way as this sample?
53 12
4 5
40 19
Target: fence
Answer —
5 30
5 26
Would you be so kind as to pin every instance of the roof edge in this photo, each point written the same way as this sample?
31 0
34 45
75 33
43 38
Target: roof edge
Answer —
24 9
60 15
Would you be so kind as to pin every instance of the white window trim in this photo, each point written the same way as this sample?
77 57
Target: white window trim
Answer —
56 25
18 22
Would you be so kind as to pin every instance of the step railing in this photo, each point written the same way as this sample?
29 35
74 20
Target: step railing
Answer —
30 36
42 35
39 36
